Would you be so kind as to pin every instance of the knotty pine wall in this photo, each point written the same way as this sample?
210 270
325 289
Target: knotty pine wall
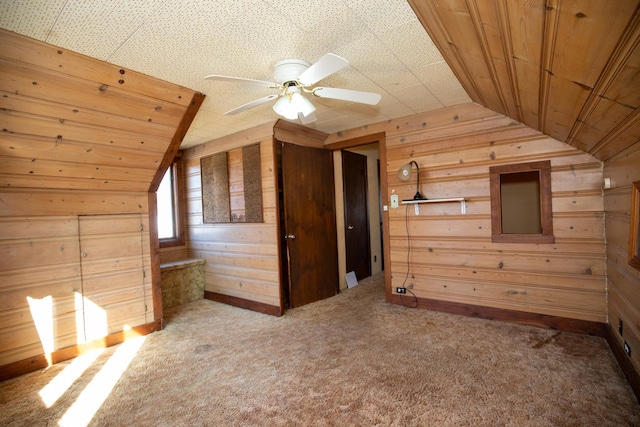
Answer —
241 258
452 257
623 280
83 143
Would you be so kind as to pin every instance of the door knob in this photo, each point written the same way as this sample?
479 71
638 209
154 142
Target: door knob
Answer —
350 227
289 236
83 254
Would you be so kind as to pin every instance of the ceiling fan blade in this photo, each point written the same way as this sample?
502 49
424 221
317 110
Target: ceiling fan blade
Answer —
242 80
348 95
327 65
251 104
309 118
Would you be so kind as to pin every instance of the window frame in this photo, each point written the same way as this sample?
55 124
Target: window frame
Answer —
546 215
178 204
634 241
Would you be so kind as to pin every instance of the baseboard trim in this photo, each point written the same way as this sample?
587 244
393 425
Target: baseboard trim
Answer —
244 303
632 376
512 316
40 361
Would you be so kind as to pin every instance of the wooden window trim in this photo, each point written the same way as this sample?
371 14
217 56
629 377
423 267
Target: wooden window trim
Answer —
179 202
544 167
634 255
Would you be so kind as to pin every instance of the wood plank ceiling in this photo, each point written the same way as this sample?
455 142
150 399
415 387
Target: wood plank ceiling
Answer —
568 68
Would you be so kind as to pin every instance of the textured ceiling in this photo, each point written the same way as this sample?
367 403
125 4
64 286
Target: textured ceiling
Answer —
181 41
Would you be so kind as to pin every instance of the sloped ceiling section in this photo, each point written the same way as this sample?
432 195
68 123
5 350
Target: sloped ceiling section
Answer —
182 41
74 122
568 68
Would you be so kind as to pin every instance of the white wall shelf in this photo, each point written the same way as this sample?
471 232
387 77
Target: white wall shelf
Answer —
463 204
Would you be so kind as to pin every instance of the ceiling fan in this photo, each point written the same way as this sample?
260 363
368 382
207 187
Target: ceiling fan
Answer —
293 78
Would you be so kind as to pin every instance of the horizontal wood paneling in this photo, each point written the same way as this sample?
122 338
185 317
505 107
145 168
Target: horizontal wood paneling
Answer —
452 258
241 258
80 137
623 280
74 122
50 247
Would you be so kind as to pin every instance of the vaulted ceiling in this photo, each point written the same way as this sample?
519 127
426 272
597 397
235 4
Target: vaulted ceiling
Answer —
182 41
568 68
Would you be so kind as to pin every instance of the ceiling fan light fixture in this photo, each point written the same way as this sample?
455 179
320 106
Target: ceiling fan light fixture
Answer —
302 104
283 108
294 78
292 103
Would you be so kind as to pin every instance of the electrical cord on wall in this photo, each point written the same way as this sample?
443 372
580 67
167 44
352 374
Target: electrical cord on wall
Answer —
406 277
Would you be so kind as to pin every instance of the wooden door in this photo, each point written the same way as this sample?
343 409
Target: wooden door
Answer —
356 214
111 254
309 224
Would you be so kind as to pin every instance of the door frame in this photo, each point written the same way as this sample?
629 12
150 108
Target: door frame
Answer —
380 138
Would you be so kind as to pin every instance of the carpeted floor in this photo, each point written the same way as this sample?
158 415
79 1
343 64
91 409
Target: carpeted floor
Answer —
351 360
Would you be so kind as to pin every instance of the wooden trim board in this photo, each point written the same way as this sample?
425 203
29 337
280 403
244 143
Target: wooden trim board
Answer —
513 316
34 363
632 376
273 310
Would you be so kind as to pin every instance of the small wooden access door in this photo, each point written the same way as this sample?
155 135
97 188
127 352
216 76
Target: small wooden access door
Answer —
309 224
113 273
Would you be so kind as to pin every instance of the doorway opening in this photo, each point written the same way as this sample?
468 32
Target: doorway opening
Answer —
359 219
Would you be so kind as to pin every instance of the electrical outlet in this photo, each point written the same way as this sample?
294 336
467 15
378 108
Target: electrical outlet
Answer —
401 290
627 349
620 326
394 201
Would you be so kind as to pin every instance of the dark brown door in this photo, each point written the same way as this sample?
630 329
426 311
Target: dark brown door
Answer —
309 223
356 214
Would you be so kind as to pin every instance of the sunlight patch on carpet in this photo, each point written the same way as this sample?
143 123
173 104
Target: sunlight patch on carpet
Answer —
93 396
61 383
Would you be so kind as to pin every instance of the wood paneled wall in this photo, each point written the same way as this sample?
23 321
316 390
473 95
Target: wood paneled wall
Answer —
81 146
623 280
241 258
452 257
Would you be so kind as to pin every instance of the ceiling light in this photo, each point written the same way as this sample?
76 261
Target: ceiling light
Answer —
292 103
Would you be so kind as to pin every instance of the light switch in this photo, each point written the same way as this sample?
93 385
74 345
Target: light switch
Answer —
394 201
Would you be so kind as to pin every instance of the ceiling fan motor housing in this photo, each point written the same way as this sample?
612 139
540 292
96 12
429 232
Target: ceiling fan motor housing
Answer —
288 70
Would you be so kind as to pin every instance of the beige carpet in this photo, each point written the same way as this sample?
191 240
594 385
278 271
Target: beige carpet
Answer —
351 360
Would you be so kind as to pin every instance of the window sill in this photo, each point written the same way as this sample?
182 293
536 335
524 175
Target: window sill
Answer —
523 238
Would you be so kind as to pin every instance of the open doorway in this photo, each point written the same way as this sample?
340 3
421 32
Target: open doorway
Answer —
355 230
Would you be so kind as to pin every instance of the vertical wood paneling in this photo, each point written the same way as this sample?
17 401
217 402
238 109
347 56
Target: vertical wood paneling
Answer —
452 257
623 280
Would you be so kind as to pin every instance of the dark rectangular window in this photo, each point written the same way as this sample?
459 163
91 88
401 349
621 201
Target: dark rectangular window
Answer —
521 203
